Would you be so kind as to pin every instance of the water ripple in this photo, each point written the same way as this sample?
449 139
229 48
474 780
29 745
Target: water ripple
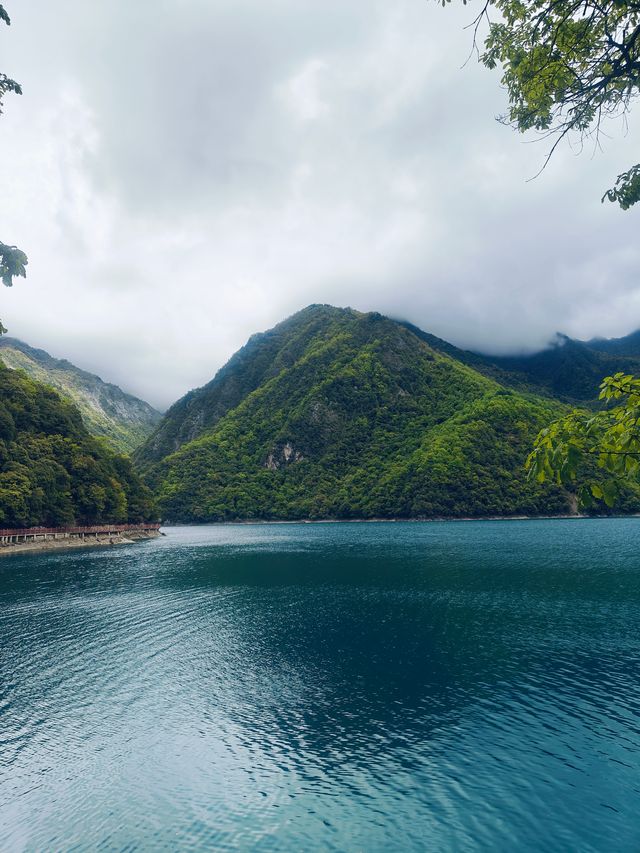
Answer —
332 687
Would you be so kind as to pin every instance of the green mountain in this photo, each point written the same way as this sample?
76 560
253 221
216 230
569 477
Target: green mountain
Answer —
570 370
339 414
627 346
52 471
124 420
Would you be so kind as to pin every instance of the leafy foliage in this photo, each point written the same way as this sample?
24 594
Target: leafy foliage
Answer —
567 64
351 415
52 472
13 261
6 83
626 190
603 447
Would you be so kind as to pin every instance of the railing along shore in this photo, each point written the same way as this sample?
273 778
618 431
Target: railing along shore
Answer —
10 536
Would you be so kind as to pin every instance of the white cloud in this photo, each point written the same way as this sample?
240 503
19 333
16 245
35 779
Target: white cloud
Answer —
183 174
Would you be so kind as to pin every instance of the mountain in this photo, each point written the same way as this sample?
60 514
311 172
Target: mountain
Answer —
627 346
124 420
52 471
340 414
569 370
263 357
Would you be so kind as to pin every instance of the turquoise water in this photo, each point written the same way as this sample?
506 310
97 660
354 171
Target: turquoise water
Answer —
445 686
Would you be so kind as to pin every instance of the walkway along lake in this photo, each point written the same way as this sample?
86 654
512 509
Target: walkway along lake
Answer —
49 538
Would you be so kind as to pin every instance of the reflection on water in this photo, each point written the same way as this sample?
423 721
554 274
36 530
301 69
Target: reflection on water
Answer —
464 686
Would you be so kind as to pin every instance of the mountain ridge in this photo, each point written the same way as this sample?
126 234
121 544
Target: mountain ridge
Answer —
53 472
569 370
122 419
336 413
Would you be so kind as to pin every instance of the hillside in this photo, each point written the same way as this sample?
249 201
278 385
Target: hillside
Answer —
570 370
52 471
263 357
334 413
627 346
107 411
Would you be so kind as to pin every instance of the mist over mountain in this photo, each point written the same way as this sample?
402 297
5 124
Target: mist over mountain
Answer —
626 346
569 370
107 411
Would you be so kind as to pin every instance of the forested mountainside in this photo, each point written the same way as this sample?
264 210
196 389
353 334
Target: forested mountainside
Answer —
52 471
263 357
629 345
570 370
107 411
339 414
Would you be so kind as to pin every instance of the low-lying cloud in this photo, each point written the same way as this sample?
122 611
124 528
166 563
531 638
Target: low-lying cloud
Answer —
185 173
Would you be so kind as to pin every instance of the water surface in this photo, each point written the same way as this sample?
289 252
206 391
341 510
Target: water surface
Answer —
445 686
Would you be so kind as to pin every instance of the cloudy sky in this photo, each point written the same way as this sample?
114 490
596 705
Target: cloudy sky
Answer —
183 173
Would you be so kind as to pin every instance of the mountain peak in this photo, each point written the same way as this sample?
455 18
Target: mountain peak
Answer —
339 413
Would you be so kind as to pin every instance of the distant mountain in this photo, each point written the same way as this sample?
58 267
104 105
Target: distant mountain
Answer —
627 346
569 370
107 411
52 471
339 414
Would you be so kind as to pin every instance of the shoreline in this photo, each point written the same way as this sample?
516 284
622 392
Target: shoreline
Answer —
438 519
126 537
129 537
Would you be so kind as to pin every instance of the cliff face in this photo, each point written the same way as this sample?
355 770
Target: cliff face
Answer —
107 411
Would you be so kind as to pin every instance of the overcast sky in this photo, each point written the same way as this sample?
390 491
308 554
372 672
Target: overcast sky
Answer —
183 173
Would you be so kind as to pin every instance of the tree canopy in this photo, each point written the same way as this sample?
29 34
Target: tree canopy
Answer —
52 471
602 449
567 65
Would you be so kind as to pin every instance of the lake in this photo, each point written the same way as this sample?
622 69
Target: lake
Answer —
298 687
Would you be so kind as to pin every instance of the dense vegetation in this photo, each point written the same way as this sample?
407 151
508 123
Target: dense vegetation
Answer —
261 359
122 419
52 471
602 449
340 414
569 370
